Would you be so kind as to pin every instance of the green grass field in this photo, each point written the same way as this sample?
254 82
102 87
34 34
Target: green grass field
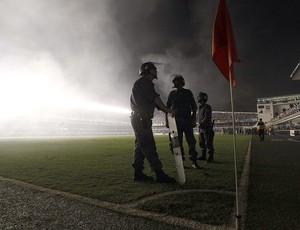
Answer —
100 168
274 191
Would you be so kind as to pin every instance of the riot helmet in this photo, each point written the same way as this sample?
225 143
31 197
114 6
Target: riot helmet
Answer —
178 79
146 68
202 97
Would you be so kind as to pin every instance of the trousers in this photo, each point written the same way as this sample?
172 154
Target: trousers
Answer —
206 141
188 131
144 147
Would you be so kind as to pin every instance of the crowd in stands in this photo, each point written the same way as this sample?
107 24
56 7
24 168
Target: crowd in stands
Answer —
222 122
96 124
225 117
293 109
218 116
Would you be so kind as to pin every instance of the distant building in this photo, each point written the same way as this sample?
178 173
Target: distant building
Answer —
269 108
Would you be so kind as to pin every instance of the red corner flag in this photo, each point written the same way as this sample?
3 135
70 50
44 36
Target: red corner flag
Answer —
224 52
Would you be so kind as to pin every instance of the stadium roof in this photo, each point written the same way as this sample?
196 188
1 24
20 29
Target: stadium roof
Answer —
296 73
279 99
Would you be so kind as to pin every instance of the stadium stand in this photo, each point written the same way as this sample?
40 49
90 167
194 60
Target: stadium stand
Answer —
223 122
80 123
281 113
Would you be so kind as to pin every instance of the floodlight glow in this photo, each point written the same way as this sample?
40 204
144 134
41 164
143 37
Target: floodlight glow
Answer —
78 103
30 86
101 107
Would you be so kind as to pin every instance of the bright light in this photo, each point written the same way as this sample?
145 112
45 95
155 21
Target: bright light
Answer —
100 107
36 85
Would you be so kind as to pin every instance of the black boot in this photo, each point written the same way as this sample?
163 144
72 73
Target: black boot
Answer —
161 177
210 158
140 176
195 165
203 157
194 161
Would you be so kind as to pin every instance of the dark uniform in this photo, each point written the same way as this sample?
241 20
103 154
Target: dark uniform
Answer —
261 129
143 105
143 101
184 103
206 132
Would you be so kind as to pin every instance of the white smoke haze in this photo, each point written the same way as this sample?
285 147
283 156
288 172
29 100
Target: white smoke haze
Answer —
54 56
173 62
73 57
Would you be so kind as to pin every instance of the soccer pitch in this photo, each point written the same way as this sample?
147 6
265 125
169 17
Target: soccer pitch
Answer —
100 168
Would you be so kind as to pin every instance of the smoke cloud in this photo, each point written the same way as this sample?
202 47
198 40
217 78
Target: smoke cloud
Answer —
91 50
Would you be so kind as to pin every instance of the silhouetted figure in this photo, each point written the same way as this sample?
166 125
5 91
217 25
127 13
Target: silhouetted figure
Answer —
182 101
206 132
261 129
143 101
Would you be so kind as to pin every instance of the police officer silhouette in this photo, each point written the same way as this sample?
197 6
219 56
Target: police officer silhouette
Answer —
206 132
143 101
182 101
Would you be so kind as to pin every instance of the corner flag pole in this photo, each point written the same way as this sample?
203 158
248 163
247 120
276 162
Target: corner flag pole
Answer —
224 53
237 216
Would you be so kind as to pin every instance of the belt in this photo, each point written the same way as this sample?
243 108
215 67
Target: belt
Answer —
141 115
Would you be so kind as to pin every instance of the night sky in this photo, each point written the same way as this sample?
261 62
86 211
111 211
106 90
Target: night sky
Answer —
92 49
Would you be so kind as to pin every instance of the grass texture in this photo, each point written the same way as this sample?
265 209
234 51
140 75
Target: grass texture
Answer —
100 168
274 192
